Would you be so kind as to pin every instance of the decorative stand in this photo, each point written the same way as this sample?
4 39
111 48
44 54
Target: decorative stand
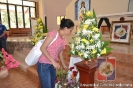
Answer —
86 73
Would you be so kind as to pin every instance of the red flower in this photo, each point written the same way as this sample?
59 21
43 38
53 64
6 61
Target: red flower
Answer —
56 80
75 73
71 68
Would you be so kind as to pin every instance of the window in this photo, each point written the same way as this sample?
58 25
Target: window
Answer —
20 17
17 13
19 2
27 20
12 16
3 1
4 15
32 11
27 3
59 18
130 6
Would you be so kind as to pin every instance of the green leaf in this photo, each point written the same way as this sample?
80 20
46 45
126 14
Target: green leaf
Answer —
108 49
106 44
94 15
100 36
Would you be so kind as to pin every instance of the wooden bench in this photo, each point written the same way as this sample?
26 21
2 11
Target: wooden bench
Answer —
18 32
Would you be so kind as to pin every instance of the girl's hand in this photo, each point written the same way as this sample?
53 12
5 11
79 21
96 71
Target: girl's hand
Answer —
66 68
56 65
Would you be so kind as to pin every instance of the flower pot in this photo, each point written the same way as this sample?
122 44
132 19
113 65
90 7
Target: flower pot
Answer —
3 73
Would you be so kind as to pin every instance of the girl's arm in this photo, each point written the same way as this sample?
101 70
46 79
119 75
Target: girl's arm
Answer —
43 48
62 61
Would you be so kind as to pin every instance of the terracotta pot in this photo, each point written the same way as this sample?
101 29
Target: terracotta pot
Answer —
3 73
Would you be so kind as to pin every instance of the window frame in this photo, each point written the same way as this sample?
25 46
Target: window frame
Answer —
8 12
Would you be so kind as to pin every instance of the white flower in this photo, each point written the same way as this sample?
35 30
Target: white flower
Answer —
98 44
78 47
92 47
85 55
84 32
89 21
99 50
72 46
98 55
96 36
88 47
73 52
89 31
82 46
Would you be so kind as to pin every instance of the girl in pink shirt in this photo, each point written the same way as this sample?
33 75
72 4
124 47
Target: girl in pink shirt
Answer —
48 61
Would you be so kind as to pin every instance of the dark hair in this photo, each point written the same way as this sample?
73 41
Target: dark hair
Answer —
122 19
66 23
82 3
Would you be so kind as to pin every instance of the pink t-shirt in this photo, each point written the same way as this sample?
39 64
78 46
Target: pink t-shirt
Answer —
55 48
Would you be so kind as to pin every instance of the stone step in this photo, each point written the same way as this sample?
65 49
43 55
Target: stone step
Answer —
32 71
27 50
21 54
24 52
21 58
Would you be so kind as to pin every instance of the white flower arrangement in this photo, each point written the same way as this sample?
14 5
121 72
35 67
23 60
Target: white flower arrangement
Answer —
88 42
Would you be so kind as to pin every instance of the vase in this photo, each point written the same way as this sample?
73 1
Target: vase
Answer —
3 73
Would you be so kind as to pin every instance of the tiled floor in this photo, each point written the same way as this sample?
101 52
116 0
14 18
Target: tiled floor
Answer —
17 78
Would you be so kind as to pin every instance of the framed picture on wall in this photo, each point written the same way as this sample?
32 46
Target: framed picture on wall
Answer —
121 31
80 7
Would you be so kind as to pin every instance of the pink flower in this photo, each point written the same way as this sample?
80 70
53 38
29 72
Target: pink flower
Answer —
6 61
9 61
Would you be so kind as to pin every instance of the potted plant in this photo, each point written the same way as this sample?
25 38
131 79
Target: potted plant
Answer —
87 42
6 62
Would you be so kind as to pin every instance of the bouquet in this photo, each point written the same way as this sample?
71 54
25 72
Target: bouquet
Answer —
88 42
7 61
72 81
66 79
61 78
40 32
